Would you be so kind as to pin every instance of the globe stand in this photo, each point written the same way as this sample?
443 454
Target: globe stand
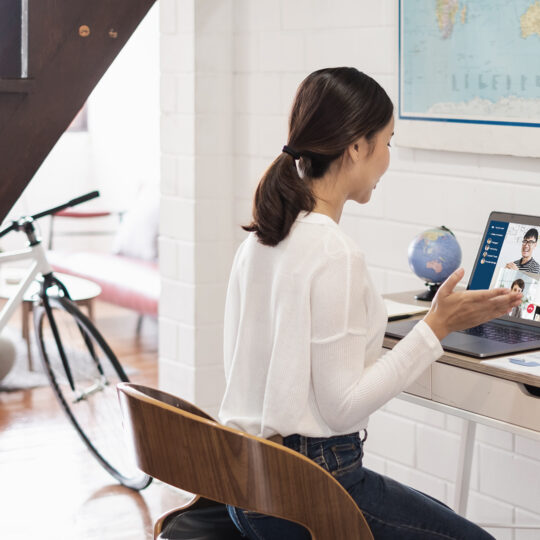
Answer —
427 296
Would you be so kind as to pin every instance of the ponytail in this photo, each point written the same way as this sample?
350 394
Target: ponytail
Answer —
281 195
333 108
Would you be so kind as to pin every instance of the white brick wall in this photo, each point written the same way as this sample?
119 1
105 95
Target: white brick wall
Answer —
225 101
196 225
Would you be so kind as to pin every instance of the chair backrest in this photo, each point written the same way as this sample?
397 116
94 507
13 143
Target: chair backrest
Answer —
179 444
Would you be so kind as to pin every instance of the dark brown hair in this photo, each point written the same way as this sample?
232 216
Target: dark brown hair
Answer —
531 233
520 283
333 108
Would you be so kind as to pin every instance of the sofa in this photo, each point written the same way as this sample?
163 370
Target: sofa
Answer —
129 275
127 282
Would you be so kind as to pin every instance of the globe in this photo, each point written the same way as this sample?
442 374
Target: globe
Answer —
433 255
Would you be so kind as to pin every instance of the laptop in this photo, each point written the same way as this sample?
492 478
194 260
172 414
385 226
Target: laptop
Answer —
508 256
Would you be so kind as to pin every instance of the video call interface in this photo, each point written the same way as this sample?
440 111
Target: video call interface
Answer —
510 258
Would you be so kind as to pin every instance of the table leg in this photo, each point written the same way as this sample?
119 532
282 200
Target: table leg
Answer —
26 309
463 477
89 305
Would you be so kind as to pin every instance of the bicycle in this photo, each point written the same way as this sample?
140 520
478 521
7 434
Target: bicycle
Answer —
81 367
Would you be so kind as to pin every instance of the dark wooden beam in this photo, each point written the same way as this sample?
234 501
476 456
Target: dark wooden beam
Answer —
66 64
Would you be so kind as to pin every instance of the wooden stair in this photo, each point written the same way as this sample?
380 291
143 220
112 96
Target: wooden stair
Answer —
16 86
71 44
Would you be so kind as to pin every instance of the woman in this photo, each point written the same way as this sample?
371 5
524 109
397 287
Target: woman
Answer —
303 326
518 285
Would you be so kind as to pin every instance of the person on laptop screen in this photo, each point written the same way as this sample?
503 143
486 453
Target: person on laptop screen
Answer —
527 263
517 286
304 326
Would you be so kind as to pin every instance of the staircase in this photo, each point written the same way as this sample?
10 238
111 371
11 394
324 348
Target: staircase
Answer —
67 46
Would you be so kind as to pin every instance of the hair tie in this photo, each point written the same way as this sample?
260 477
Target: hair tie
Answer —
293 153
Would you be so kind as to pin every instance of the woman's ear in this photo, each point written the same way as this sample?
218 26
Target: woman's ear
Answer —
358 149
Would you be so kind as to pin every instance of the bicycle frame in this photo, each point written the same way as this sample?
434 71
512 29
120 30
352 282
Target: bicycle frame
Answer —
40 265
34 252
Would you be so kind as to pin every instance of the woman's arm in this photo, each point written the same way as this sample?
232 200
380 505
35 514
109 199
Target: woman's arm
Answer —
346 388
345 315
347 391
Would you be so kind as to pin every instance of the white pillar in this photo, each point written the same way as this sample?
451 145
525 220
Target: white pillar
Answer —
196 229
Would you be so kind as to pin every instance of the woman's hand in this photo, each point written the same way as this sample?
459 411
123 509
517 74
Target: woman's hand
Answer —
456 310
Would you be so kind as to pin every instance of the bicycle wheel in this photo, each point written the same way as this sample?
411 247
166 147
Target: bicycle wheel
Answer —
92 406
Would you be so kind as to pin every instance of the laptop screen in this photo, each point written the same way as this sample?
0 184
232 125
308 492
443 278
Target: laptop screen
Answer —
509 256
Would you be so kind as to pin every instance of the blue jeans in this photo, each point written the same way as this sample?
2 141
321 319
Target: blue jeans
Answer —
392 510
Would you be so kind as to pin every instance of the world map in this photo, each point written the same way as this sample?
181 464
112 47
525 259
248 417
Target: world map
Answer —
475 61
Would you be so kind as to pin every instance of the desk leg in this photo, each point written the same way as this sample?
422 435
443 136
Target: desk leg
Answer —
463 477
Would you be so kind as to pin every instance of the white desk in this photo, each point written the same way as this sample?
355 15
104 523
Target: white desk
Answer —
479 394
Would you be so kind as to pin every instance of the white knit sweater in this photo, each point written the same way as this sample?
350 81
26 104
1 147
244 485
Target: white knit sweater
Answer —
303 337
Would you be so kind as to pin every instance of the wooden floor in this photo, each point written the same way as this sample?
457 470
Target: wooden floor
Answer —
50 486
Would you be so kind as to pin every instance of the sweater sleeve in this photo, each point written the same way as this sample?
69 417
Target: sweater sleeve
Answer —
348 389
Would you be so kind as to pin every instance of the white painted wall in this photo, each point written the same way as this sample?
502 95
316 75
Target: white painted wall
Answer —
275 44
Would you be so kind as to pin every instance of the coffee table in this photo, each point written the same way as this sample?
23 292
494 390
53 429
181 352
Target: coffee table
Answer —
82 292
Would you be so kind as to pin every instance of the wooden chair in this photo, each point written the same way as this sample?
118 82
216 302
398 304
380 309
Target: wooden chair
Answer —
179 444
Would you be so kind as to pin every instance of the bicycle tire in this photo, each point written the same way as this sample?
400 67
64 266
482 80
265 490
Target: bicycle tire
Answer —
93 408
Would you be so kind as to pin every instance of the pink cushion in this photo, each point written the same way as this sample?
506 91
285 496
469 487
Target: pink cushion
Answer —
125 281
81 214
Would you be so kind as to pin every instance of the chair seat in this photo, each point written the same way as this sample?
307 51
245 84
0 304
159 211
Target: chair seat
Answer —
211 523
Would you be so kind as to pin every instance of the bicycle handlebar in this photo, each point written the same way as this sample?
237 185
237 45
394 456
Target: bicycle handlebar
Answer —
7 230
69 204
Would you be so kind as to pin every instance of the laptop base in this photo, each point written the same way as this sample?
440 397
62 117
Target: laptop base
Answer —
475 346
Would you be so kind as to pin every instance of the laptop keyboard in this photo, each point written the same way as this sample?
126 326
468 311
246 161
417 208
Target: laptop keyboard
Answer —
504 334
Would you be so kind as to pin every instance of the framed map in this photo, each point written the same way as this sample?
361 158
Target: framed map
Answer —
469 75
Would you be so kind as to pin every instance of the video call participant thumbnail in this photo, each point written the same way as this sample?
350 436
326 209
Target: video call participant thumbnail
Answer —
527 262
